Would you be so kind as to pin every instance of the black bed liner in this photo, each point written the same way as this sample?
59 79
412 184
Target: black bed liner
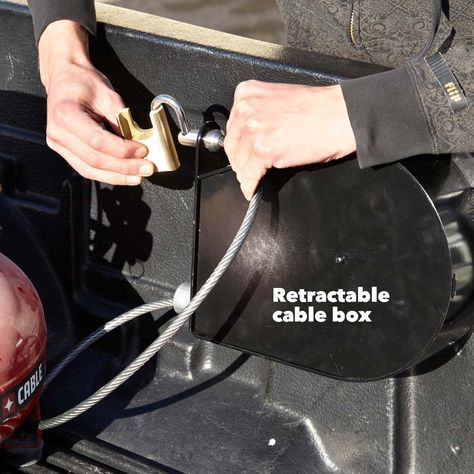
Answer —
93 251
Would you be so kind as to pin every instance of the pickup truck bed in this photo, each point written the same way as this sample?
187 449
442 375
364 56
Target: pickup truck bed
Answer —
93 251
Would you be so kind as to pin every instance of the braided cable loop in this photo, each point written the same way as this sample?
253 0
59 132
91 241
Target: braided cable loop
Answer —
169 332
102 331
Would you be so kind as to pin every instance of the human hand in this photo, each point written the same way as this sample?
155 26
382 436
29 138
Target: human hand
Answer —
285 125
80 98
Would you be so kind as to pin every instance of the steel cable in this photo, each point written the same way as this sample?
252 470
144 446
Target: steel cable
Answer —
164 338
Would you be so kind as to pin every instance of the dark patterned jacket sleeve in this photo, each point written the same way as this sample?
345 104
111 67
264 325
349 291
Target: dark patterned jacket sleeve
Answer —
406 111
45 12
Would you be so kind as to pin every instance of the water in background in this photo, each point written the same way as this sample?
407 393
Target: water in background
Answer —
259 19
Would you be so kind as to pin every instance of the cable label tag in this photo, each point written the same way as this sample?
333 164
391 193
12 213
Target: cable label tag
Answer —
15 399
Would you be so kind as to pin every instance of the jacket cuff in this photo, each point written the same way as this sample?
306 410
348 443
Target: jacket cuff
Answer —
45 12
387 118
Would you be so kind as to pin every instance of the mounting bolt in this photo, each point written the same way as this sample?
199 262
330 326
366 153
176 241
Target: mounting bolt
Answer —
455 449
182 297
340 260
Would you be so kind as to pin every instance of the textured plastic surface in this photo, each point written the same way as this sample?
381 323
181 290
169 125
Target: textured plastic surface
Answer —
326 228
199 407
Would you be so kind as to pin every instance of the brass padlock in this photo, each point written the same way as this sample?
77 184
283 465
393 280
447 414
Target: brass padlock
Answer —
158 139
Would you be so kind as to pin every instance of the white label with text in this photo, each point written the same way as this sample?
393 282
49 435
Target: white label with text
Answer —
313 314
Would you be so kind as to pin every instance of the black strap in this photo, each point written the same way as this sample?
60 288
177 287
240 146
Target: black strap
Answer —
450 85
436 9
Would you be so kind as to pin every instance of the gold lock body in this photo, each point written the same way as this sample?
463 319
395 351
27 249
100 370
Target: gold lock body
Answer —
158 139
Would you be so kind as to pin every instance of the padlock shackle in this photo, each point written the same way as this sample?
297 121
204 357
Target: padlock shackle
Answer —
213 141
159 100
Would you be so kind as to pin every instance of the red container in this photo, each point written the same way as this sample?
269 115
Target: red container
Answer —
22 347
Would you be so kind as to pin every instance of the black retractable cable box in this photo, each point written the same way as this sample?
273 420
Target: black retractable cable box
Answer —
355 274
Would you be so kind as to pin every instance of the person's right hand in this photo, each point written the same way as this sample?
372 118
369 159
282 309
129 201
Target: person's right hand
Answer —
80 98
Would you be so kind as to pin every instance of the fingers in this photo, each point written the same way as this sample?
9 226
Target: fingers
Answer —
239 161
232 137
250 175
89 172
80 98
112 106
254 88
91 150
285 125
248 164
103 161
243 139
71 117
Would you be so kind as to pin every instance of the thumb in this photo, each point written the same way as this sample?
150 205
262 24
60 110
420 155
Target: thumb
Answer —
109 108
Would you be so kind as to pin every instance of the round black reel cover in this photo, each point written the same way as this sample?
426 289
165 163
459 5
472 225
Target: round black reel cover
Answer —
326 228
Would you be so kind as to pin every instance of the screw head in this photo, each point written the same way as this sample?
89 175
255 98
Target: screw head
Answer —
455 449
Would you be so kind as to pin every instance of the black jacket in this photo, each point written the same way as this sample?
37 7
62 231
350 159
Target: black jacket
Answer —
45 12
424 105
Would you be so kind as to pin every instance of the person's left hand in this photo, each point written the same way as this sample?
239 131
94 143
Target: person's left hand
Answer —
285 125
